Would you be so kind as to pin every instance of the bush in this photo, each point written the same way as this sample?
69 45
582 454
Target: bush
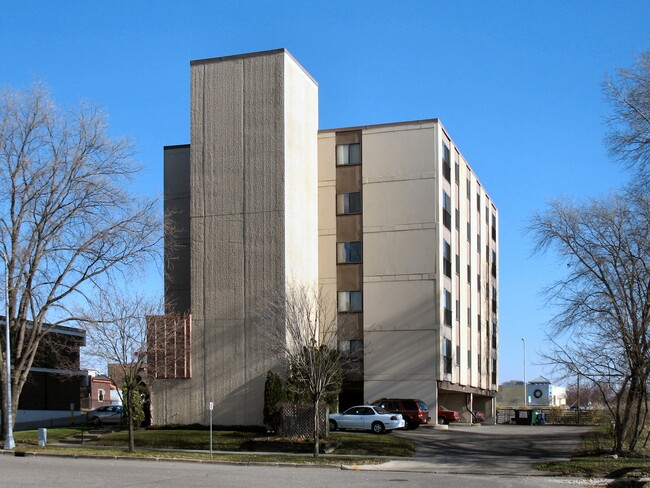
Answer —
274 394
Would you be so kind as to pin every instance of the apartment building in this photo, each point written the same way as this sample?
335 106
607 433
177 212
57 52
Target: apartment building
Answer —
408 245
389 219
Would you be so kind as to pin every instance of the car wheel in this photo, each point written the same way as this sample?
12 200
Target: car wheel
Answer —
442 421
413 425
378 428
333 425
96 421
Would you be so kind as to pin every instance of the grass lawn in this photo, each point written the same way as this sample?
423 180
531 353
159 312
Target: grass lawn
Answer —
589 462
366 445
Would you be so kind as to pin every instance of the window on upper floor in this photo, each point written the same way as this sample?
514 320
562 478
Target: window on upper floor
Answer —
447 348
446 210
351 350
348 252
348 203
446 163
457 355
447 307
494 227
350 301
348 154
446 258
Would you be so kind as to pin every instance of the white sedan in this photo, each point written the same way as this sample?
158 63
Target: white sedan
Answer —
367 417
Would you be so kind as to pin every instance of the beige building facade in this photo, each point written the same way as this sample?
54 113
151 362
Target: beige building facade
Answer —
417 247
389 219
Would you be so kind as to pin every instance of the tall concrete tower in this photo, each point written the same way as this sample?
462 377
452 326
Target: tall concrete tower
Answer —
253 211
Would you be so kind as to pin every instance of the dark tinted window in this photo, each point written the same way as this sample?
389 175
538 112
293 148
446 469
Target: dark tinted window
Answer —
409 405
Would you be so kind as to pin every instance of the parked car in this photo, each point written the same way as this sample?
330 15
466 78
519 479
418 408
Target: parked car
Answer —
478 416
446 416
415 412
367 417
107 414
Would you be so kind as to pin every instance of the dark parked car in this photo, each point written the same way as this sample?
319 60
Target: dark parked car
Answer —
108 414
415 412
446 416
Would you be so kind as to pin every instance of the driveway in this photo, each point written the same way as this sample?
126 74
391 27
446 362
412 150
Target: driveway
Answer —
488 449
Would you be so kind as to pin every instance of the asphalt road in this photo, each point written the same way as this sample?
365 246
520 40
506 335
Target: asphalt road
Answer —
63 472
489 449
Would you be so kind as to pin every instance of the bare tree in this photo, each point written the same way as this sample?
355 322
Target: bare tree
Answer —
602 329
116 327
301 331
629 94
67 218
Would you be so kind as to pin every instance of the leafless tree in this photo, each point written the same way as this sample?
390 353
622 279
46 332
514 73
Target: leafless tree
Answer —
629 137
116 325
602 329
67 217
301 330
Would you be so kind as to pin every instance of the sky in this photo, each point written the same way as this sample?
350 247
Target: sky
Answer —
517 85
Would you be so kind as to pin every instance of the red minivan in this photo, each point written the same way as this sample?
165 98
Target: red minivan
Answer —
415 412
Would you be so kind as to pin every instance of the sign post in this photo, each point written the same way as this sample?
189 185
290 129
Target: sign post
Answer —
211 408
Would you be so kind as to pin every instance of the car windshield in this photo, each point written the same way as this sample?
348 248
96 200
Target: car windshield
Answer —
423 406
381 410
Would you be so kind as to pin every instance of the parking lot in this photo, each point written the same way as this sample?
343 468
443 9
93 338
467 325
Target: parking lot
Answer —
489 449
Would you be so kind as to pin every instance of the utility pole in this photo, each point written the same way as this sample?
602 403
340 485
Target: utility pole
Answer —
9 440
525 382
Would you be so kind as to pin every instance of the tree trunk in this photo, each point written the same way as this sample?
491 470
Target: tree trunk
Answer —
129 401
316 430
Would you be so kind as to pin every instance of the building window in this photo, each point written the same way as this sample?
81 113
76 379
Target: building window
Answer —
457 264
350 301
478 243
494 227
447 355
494 299
100 395
479 363
457 218
494 264
351 350
478 283
469 273
446 210
447 298
494 371
478 202
348 154
446 258
469 359
479 322
457 310
446 164
457 170
469 189
469 317
348 252
469 230
457 355
348 203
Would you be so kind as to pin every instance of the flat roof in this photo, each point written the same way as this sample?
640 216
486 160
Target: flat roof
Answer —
389 124
234 57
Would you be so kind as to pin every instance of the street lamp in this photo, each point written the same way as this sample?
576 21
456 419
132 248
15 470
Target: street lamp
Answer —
9 440
525 382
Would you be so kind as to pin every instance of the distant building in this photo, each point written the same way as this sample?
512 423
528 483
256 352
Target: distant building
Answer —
541 393
53 387
97 391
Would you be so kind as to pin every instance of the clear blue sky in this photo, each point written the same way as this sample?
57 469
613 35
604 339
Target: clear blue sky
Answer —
516 83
